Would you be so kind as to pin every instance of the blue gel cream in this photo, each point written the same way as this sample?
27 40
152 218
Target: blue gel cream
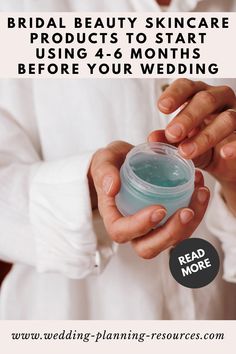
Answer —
154 173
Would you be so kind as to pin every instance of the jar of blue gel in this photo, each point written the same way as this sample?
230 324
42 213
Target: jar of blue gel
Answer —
155 173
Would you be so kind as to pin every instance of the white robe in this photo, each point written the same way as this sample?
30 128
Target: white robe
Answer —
65 266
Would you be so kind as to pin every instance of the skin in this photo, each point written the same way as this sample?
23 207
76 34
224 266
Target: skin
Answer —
204 130
204 120
104 180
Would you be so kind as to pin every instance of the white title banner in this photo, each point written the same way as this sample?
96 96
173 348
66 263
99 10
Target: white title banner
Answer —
117 45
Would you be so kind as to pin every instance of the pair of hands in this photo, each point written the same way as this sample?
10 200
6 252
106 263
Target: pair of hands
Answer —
203 130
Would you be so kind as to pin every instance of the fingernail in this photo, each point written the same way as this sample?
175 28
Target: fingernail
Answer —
187 149
174 131
202 195
107 184
186 216
198 176
207 121
158 215
227 151
166 104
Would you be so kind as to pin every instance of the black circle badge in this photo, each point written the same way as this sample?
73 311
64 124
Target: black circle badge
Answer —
194 263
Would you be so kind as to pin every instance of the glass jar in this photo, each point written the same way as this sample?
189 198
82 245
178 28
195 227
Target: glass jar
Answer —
155 174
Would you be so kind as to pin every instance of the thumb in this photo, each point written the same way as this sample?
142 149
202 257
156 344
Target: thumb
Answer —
106 165
110 180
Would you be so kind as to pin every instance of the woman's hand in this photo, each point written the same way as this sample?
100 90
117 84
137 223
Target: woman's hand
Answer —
204 129
139 228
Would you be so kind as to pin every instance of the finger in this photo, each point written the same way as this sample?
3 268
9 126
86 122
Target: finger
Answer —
228 151
193 132
209 137
198 204
159 136
199 179
105 167
204 161
123 229
178 93
209 119
203 104
180 226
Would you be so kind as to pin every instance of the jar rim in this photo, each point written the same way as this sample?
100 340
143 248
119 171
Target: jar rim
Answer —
160 148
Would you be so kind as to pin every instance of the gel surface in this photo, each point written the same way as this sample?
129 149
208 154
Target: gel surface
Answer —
159 170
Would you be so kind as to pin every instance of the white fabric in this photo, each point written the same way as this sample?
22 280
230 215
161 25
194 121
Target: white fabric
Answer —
222 223
66 212
65 266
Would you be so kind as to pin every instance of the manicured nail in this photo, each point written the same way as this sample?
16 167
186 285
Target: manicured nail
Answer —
227 151
187 149
107 184
186 216
198 176
158 215
174 131
202 195
207 121
166 104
